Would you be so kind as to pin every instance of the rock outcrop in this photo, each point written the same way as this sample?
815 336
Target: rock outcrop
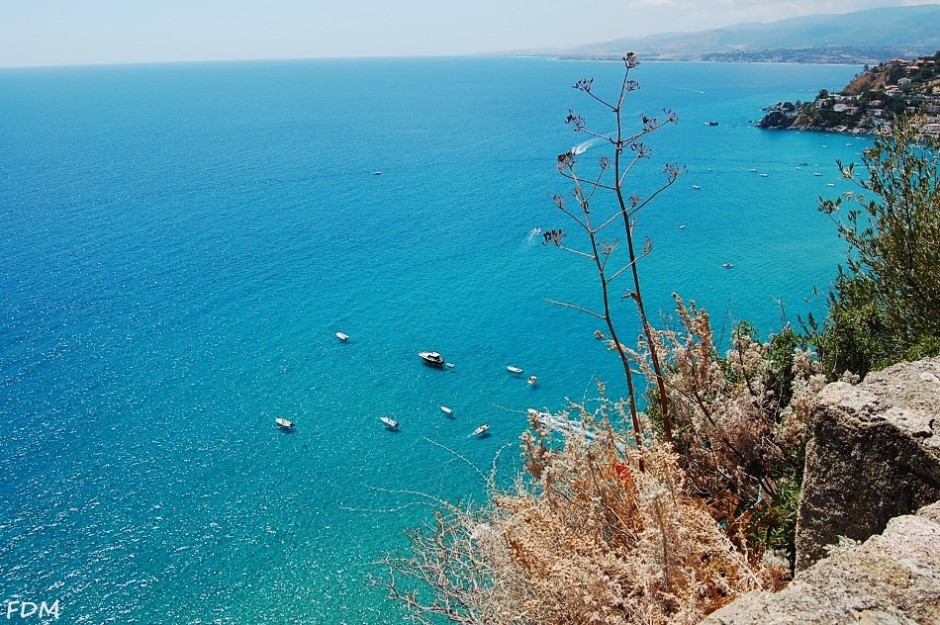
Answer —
892 579
780 116
874 454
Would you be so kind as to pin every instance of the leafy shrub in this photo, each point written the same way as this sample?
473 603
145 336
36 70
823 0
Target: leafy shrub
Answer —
885 304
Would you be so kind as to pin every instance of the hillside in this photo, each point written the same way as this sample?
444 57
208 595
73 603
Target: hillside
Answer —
870 102
869 36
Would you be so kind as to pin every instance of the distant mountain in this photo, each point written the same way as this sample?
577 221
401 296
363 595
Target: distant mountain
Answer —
868 36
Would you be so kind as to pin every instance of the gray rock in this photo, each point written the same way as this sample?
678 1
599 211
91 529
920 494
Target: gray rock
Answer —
874 454
892 579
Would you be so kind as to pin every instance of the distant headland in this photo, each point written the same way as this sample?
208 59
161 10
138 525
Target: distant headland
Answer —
870 102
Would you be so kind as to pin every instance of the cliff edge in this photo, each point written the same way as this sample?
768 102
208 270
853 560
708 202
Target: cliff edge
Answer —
873 460
892 579
874 454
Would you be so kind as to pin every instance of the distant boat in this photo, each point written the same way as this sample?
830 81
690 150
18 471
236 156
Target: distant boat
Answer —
513 370
753 169
480 430
377 172
284 424
728 266
817 174
764 175
681 226
448 411
432 358
695 186
342 337
830 184
711 123
390 423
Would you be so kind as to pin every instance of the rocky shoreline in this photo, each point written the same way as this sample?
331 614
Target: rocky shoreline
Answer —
870 103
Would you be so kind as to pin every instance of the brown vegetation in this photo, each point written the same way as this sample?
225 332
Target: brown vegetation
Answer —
608 530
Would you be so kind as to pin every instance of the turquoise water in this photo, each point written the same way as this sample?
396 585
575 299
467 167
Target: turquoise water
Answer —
179 244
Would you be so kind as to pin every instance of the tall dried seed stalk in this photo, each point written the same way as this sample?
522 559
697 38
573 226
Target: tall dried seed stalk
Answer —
612 174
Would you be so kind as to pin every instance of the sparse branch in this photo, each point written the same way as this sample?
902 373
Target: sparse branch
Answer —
642 203
628 266
599 185
586 311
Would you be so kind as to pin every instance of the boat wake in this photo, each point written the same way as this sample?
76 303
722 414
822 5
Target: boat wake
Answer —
584 146
533 234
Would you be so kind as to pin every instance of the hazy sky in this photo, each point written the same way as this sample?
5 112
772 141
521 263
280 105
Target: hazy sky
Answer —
69 32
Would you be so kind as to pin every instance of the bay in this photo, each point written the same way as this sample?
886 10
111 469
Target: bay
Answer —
179 244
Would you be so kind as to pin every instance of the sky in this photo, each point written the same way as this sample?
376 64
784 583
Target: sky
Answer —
90 32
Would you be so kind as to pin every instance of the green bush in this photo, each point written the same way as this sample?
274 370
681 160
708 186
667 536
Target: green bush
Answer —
884 306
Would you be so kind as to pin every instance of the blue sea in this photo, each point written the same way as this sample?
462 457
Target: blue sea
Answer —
179 245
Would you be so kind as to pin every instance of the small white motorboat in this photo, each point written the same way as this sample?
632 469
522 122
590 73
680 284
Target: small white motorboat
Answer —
728 266
432 358
695 186
390 423
513 370
480 430
342 337
447 410
817 174
284 424
377 172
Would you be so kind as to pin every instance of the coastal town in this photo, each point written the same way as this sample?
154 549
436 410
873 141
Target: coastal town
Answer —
870 102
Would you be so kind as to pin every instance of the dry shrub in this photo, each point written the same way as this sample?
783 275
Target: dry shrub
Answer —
605 541
740 447
604 529
589 538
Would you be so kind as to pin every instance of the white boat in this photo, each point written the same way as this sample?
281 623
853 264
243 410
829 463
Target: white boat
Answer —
513 370
764 175
817 174
695 186
432 358
480 430
390 423
830 184
448 411
377 172
284 424
728 266
342 337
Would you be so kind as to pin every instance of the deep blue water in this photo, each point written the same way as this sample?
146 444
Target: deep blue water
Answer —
179 244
